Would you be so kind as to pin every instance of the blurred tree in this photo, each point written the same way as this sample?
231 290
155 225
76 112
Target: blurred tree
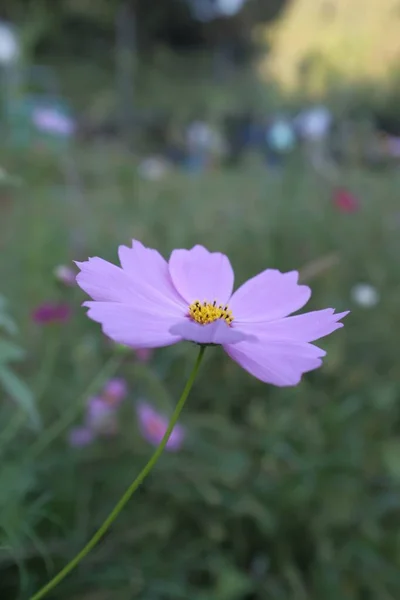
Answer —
68 24
318 42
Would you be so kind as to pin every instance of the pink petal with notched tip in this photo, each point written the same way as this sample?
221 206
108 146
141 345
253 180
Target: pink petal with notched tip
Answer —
150 271
268 296
103 281
280 363
144 281
217 332
198 274
136 305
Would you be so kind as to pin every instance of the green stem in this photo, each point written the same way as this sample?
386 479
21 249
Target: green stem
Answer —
131 489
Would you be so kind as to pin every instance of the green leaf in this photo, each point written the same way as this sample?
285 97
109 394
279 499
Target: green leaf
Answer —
7 324
391 458
10 351
20 392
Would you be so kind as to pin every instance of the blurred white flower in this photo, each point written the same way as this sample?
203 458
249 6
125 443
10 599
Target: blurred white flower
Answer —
153 168
365 295
9 45
52 121
313 124
65 275
207 10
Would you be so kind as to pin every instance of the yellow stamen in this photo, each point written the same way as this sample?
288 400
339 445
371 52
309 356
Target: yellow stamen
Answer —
204 313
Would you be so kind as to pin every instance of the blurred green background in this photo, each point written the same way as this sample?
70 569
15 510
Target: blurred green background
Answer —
276 494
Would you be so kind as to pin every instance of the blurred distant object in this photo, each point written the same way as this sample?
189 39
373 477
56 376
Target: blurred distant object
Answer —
313 124
65 275
100 421
51 312
203 144
383 150
35 119
125 60
388 147
115 391
365 295
153 426
9 44
6 179
345 201
318 267
35 114
317 43
207 10
101 416
52 120
280 135
10 382
79 437
153 168
280 139
143 354
393 146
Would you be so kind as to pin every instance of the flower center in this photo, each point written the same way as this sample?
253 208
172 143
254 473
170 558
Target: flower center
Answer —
204 313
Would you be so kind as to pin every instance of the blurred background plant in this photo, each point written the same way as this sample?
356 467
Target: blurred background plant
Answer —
148 120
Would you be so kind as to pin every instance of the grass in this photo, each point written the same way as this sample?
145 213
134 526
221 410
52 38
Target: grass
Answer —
285 494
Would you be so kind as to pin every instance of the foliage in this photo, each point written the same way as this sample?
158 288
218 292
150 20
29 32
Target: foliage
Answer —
11 383
318 43
279 493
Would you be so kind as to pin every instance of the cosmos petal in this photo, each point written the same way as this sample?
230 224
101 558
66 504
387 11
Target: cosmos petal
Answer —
149 270
308 327
104 281
268 296
144 282
217 332
201 275
276 362
134 327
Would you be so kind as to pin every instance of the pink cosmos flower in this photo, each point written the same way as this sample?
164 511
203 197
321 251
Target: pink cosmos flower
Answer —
149 302
345 201
153 426
51 312
115 391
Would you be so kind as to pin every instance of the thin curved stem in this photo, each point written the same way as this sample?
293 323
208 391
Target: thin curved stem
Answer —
131 489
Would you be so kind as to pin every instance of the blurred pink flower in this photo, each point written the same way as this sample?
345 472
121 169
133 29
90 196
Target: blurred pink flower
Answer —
52 312
143 354
52 121
101 418
65 275
100 421
115 391
345 201
80 437
150 303
153 426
